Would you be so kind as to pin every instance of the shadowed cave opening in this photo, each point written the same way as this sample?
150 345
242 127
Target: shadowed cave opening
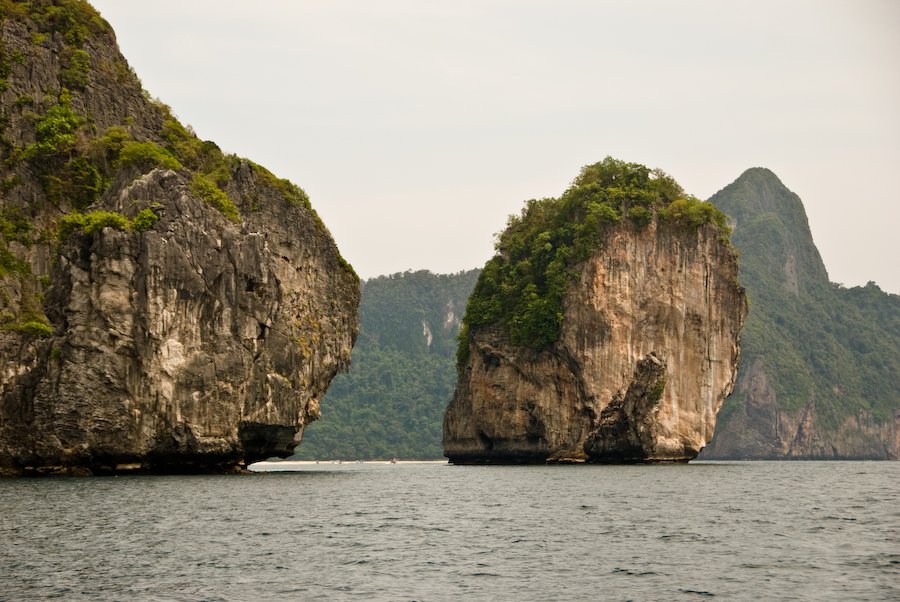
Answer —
261 441
486 441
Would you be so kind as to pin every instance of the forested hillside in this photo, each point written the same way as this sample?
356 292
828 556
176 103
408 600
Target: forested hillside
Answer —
402 374
820 362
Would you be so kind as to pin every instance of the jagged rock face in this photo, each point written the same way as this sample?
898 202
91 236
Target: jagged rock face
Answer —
758 428
200 343
626 425
658 300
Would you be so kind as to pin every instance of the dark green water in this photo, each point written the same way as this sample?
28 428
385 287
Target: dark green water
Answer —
733 531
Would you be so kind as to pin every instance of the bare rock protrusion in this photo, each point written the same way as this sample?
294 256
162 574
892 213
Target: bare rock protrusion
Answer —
626 430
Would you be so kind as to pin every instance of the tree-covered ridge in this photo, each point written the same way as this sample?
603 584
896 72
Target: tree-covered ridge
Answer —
392 401
818 342
773 223
522 286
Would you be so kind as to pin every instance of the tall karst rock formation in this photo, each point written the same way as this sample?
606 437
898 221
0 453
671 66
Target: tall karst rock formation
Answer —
820 363
165 307
605 328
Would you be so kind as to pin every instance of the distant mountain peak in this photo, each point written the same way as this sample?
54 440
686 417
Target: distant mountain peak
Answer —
759 190
819 362
760 172
769 217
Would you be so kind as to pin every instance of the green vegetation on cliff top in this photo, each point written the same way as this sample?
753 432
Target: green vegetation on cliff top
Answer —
75 20
73 161
521 288
57 159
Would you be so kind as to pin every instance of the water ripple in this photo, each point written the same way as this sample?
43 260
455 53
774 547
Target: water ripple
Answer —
737 531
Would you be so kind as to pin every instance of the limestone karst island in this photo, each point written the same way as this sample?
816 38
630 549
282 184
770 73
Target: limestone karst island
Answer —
165 307
605 329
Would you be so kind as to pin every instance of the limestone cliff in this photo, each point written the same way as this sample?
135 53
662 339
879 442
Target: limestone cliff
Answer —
820 362
166 307
647 343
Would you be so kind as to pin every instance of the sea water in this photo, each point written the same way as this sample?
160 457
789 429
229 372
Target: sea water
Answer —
407 531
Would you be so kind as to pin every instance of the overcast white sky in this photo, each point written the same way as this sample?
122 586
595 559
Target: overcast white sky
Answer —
416 127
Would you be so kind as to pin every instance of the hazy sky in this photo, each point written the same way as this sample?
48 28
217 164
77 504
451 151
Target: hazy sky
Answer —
416 127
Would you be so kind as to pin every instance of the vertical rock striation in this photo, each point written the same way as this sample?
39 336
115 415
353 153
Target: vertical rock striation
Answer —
649 346
185 312
646 354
